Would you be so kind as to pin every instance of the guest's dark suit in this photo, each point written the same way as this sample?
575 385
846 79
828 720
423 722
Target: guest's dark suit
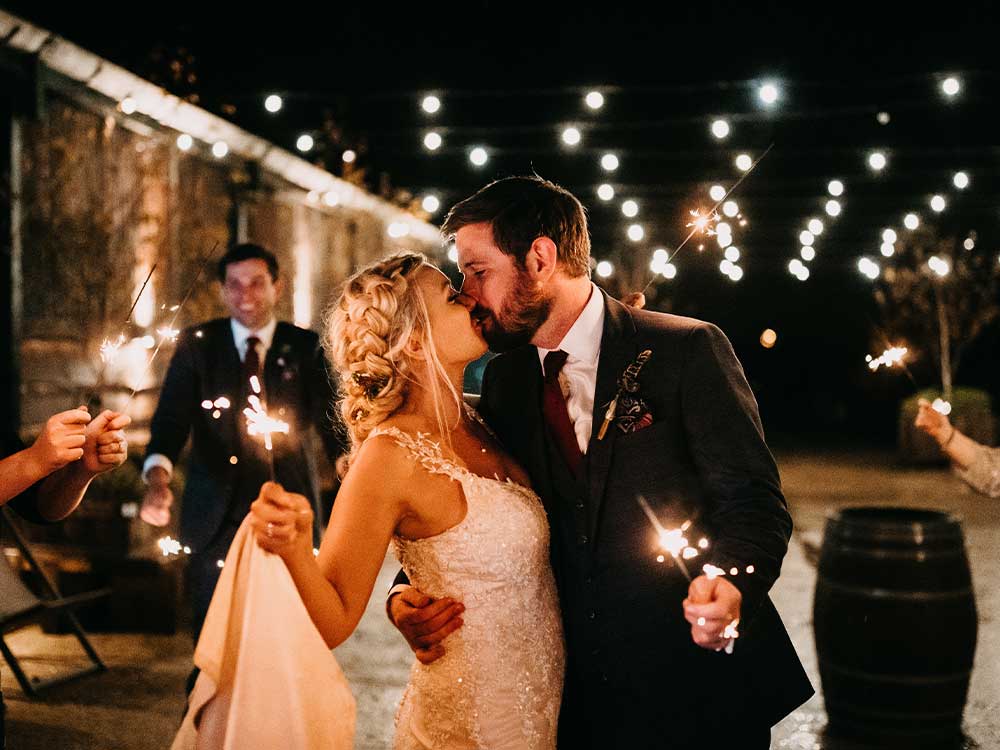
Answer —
635 679
226 468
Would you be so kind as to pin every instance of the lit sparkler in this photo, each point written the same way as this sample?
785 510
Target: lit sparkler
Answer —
259 422
941 406
672 540
176 309
109 348
704 223
701 221
889 358
168 334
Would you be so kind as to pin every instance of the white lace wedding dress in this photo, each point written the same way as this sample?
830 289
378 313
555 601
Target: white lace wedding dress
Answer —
499 684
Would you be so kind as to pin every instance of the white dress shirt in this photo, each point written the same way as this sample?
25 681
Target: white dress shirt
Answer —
240 335
578 378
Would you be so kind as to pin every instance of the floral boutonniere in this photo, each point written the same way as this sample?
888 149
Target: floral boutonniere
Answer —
627 408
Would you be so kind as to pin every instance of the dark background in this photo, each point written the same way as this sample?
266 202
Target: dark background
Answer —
511 75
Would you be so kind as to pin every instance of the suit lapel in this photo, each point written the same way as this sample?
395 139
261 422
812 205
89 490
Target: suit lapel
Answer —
618 348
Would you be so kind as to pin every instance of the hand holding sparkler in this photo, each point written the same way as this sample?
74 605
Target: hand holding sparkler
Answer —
933 422
282 522
713 609
105 445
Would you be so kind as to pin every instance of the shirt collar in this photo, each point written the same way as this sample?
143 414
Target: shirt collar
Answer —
582 341
241 333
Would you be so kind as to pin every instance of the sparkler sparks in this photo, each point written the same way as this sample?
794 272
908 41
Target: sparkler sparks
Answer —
109 349
888 358
168 334
941 406
704 223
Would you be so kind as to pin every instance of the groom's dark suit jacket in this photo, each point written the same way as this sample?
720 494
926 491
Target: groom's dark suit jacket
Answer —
206 365
635 678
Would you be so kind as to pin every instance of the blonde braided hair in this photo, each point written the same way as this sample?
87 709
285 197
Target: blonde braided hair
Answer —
380 310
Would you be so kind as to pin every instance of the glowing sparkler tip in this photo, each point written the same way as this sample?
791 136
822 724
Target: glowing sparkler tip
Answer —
941 406
169 546
712 571
889 358
206 404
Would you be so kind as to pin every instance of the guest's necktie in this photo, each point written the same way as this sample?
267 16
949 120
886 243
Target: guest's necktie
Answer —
557 415
251 362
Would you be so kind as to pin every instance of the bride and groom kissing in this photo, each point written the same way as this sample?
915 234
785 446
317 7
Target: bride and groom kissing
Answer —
534 592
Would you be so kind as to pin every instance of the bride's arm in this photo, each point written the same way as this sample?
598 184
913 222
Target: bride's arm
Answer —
336 585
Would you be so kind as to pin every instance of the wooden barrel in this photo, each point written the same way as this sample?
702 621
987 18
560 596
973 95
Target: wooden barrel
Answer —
895 625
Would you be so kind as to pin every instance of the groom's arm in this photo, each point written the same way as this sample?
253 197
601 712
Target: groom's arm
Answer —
746 508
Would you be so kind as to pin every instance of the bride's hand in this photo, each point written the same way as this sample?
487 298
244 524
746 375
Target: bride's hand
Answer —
282 521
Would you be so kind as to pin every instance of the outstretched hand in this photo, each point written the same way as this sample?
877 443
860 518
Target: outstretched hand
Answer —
931 421
713 609
425 622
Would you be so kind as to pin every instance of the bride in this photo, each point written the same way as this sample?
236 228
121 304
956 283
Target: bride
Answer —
428 477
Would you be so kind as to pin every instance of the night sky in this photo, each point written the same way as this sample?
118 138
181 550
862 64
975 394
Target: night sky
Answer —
512 75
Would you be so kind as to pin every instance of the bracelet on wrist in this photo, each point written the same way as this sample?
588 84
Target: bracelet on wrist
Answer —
951 435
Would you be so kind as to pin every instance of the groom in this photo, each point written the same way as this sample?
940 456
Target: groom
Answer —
649 662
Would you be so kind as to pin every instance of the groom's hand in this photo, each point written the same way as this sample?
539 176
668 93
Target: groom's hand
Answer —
712 607
425 622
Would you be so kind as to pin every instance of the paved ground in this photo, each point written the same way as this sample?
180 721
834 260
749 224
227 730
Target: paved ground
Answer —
138 704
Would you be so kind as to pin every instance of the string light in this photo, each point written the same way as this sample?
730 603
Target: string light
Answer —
636 233
911 221
832 208
220 149
938 203
816 227
349 156
185 142
806 237
808 253
877 161
889 235
431 104
605 269
744 162
769 93
887 249
716 192
430 204
128 105
605 192
432 141
595 100
630 208
720 129
273 103
304 143
730 209
960 180
950 86
609 162
869 268
571 136
478 156
835 188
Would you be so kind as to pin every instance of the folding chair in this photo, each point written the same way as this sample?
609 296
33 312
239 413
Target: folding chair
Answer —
19 606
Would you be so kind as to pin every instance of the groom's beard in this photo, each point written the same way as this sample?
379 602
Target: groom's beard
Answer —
519 317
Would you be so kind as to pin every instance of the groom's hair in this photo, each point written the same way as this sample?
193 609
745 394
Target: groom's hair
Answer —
522 209
247 251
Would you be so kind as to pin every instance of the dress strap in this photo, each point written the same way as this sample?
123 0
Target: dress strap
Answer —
475 416
423 450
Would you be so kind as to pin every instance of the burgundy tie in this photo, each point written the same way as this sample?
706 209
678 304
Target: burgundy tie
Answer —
251 362
556 414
